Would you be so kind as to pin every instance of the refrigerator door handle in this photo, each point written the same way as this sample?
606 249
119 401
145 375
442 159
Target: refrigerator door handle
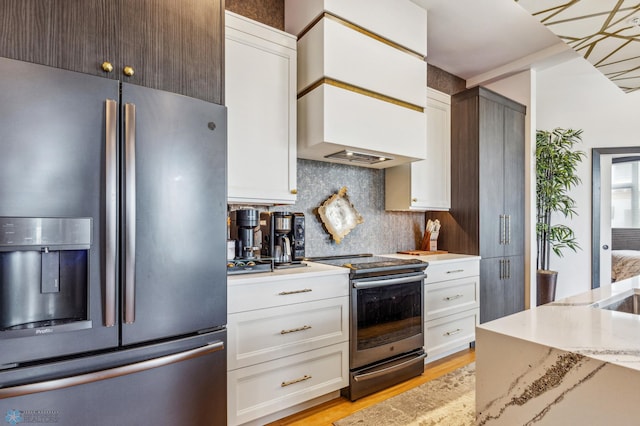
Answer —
111 373
130 213
111 114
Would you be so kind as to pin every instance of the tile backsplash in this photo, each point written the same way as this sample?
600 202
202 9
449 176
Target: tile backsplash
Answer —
381 231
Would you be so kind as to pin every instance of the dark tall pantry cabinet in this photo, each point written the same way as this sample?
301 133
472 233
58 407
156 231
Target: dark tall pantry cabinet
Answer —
487 195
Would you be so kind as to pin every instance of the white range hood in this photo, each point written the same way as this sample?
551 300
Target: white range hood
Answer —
361 80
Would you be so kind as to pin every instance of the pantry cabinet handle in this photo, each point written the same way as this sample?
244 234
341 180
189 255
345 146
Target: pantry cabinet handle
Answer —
285 293
111 205
293 330
501 273
508 268
294 381
451 333
502 229
457 296
508 226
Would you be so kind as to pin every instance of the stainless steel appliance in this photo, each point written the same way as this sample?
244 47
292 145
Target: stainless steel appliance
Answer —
386 328
283 238
244 225
112 245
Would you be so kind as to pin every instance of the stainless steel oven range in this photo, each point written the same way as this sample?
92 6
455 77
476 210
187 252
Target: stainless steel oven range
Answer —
386 321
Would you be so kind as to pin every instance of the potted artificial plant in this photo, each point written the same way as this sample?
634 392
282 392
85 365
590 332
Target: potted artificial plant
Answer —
556 164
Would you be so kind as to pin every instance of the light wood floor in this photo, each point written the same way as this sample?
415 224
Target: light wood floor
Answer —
325 414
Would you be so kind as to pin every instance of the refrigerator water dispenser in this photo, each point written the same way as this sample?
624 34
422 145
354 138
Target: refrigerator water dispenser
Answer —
44 276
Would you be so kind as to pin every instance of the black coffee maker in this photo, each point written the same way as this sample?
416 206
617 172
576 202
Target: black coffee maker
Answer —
283 238
244 224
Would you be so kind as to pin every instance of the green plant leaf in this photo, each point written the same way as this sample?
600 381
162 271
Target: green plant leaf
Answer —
556 174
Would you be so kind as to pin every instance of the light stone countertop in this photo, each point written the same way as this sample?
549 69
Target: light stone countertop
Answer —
573 325
312 269
435 258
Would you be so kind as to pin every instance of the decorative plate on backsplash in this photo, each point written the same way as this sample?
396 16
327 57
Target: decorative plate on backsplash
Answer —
338 215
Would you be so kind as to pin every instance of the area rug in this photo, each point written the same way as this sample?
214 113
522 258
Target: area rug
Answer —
446 401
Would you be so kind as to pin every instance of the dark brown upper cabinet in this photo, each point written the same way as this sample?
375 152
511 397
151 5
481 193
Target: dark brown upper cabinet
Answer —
172 45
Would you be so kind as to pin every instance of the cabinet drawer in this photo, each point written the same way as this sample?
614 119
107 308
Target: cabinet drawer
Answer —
452 270
450 332
285 290
449 297
265 334
266 388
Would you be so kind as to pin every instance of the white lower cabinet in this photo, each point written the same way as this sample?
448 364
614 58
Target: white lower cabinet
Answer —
451 306
288 343
268 387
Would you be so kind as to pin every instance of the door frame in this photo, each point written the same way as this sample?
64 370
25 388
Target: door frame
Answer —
596 154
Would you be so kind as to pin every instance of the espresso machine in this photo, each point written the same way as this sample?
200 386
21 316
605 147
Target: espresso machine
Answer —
244 224
283 235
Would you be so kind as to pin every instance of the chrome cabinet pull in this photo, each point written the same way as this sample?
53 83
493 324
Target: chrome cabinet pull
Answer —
451 333
110 212
293 330
502 229
508 268
500 274
508 226
285 293
456 271
294 381
449 298
130 213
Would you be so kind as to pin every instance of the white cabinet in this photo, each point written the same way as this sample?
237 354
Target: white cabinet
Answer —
451 306
426 184
288 342
260 95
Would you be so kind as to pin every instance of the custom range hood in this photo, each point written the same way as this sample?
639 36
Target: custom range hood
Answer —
361 80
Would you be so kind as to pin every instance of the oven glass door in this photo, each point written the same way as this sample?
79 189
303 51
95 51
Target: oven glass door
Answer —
387 317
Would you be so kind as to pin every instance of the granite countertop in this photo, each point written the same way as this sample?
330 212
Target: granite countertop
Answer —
573 325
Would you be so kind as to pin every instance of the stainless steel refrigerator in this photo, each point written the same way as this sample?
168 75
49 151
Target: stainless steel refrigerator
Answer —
112 252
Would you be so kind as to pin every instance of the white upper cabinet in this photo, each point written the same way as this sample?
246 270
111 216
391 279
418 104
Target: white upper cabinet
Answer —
260 95
426 184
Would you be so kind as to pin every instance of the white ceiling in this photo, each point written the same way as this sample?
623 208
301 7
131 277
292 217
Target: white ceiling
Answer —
605 32
483 40
470 38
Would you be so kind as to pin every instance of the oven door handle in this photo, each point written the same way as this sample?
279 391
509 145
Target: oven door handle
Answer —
389 281
378 373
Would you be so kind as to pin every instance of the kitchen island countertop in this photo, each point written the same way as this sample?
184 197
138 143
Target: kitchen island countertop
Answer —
573 325
566 362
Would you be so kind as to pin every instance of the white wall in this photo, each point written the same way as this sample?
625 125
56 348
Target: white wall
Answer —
575 95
